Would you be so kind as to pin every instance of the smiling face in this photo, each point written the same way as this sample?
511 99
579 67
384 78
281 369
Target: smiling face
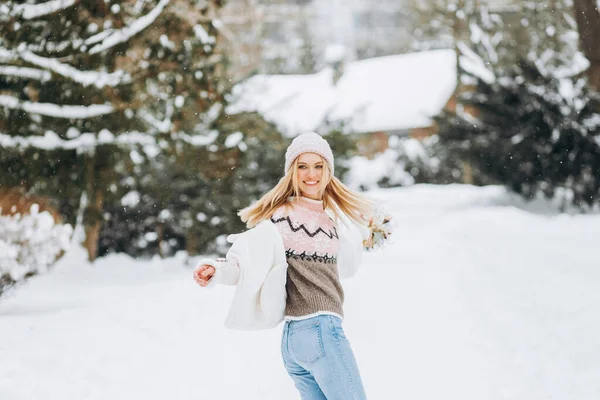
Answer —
309 175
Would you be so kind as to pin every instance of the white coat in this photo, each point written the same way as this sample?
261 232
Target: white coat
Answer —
260 295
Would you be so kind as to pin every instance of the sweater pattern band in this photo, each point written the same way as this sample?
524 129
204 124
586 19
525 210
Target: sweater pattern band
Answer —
333 233
304 256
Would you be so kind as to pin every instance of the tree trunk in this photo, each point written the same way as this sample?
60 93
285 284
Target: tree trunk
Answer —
92 228
160 230
587 16
92 217
467 177
594 74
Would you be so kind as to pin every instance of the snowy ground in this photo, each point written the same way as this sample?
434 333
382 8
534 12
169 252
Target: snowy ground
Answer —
480 297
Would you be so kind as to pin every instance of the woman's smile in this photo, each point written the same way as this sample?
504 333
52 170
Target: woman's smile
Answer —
310 172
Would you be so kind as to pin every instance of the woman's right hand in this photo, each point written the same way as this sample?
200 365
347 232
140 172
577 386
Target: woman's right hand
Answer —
203 274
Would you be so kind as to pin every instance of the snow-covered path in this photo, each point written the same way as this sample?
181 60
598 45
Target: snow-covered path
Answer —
477 299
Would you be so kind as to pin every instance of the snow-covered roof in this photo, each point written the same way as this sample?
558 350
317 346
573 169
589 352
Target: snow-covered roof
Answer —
379 94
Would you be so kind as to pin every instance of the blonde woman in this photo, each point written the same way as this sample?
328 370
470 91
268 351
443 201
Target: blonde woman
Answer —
287 267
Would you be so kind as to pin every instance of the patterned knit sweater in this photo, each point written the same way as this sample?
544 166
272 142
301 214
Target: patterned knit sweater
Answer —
311 243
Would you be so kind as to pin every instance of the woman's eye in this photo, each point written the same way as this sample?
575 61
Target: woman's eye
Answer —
302 166
320 166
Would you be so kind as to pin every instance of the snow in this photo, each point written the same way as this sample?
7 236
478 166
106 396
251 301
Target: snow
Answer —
576 66
234 139
224 30
53 110
123 35
86 78
379 94
366 174
296 103
30 243
166 43
335 53
51 140
30 11
6 55
131 199
481 296
396 92
98 37
24 72
163 126
474 64
202 35
198 140
88 140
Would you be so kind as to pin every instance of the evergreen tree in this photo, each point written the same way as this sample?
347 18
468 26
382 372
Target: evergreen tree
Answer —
205 188
532 126
85 82
530 132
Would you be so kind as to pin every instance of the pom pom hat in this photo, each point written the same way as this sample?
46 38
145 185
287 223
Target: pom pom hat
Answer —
309 142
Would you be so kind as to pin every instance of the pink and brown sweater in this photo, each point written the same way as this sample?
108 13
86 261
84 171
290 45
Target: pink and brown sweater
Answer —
311 244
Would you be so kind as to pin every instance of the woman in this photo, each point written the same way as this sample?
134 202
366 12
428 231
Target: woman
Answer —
290 265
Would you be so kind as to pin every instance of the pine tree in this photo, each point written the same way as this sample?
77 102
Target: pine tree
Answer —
86 82
530 132
205 188
532 125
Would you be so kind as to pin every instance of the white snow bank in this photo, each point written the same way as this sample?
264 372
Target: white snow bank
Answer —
30 243
483 294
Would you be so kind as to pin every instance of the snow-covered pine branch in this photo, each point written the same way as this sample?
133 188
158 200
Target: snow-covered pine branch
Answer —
98 37
474 64
7 55
24 72
54 110
202 35
88 140
122 35
53 46
31 11
86 78
163 126
197 140
51 140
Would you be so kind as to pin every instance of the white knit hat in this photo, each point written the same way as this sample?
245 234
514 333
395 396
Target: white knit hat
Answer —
309 142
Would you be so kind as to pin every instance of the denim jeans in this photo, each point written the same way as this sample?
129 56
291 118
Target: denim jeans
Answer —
318 357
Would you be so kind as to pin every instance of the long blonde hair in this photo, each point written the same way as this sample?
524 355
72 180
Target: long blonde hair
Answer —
337 198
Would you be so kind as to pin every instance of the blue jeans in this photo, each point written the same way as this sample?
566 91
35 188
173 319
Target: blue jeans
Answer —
318 357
